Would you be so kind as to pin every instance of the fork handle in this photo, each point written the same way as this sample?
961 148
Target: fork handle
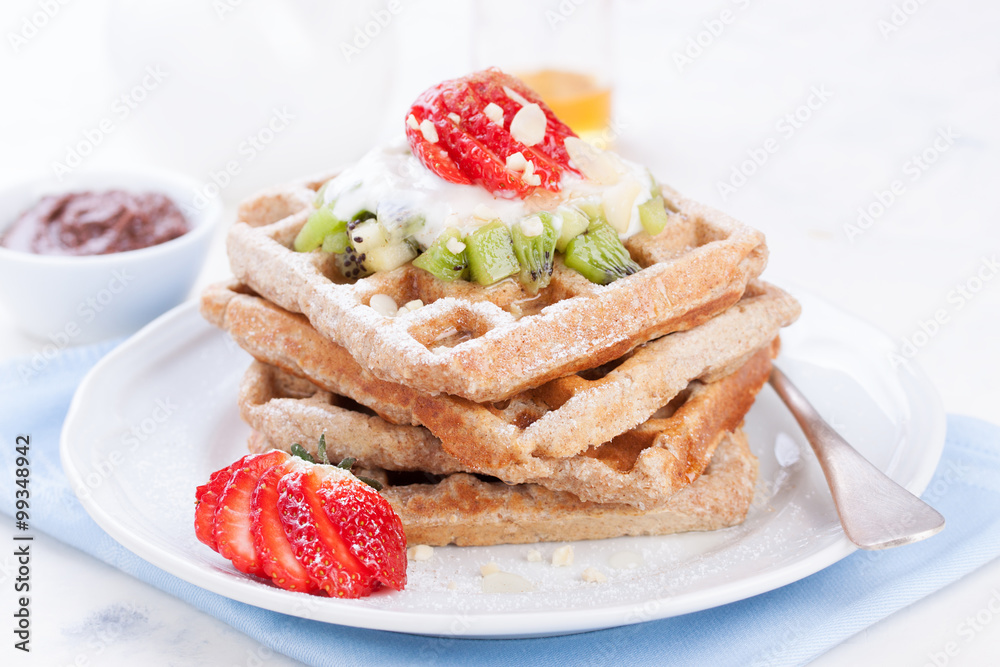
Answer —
876 512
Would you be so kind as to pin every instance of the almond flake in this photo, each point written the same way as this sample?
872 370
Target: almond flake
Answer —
594 576
532 226
516 162
455 246
618 201
506 582
383 304
455 117
412 305
488 569
429 131
602 167
411 120
534 556
528 125
421 552
495 113
534 179
516 96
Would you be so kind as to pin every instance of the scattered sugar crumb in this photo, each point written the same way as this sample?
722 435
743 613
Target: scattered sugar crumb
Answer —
563 556
420 552
534 556
489 568
594 576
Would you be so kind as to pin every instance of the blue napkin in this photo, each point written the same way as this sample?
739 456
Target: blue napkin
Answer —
788 626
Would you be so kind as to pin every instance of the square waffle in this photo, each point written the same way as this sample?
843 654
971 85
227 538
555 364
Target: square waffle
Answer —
488 344
560 419
466 510
644 466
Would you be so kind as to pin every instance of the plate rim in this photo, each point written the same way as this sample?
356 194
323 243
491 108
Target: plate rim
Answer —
493 625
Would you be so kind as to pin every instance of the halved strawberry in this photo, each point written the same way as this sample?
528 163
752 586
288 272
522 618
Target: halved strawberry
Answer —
466 142
316 542
365 521
435 158
492 84
232 516
207 500
277 558
305 525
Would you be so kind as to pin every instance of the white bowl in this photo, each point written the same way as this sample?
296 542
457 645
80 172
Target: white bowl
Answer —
74 300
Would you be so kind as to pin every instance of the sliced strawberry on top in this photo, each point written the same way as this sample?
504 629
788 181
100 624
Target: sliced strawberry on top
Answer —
475 145
316 541
367 523
277 558
232 516
207 500
433 156
491 85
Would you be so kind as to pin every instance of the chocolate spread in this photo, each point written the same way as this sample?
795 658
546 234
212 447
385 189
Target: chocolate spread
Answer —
96 223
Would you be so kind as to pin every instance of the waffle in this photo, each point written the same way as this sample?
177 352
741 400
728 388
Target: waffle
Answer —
644 467
489 344
560 419
463 509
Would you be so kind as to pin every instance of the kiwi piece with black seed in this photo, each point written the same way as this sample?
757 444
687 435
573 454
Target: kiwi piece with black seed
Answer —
445 258
534 240
598 255
351 264
490 250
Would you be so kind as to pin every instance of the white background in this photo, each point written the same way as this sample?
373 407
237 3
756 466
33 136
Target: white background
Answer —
889 94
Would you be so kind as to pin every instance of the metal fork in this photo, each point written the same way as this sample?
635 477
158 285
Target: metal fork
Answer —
876 513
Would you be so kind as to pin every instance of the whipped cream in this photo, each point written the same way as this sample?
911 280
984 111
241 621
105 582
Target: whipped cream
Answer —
391 182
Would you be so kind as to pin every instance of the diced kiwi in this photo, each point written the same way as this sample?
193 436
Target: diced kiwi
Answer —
535 253
399 220
368 235
373 250
389 257
574 223
490 250
351 265
599 255
440 260
653 215
321 223
336 242
361 216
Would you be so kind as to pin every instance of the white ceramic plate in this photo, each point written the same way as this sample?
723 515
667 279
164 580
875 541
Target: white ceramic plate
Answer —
158 415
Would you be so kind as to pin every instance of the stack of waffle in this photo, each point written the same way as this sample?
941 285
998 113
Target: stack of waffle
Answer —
495 416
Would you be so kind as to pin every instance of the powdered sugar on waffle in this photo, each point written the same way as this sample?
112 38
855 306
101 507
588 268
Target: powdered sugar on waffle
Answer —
697 267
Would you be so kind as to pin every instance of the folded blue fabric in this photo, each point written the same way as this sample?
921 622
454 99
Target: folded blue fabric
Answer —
788 626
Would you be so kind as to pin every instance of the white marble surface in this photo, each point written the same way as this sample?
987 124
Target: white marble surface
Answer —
883 99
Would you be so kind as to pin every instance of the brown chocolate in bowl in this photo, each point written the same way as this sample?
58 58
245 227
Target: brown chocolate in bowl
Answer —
96 223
